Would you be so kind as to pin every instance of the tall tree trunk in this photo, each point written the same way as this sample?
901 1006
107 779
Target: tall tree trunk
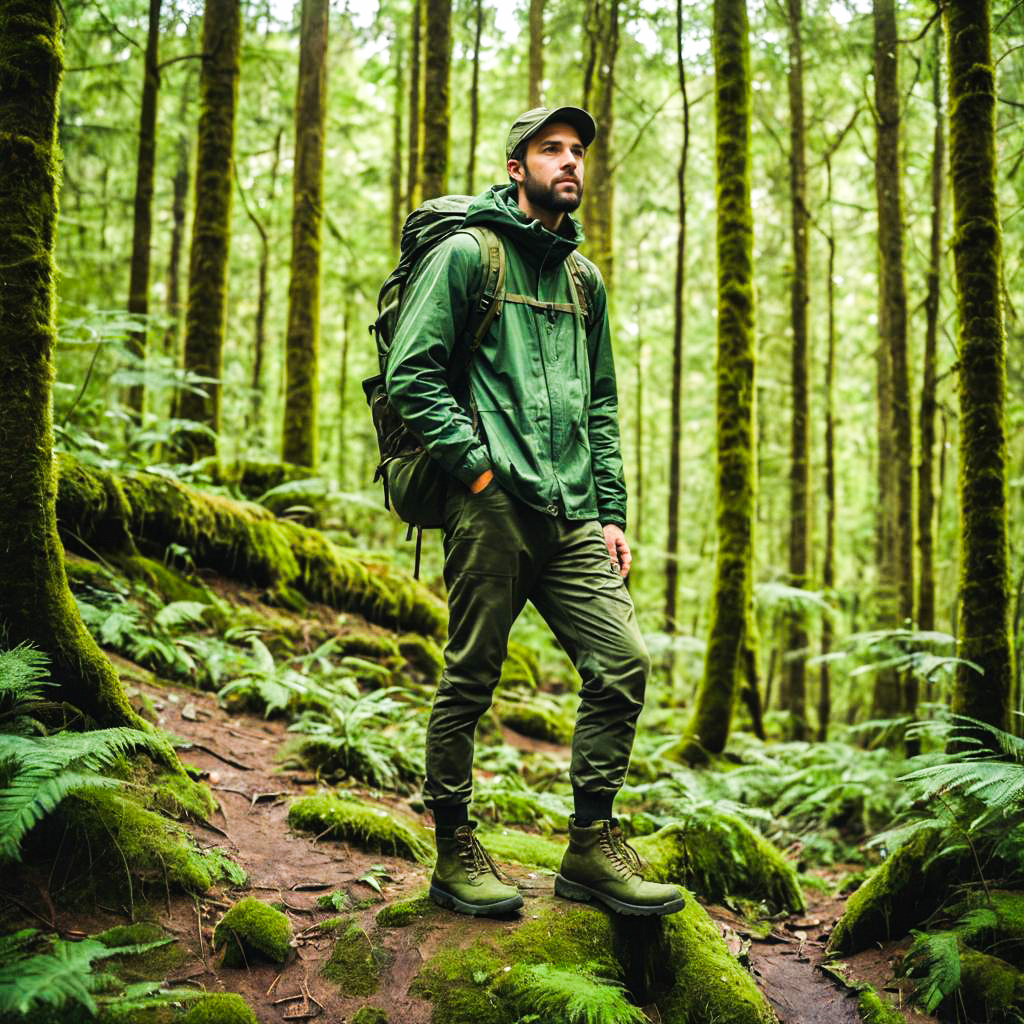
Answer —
179 189
601 26
211 225
799 471
474 96
675 484
437 59
897 500
724 666
413 172
984 636
535 82
36 605
302 344
397 214
142 225
926 420
346 331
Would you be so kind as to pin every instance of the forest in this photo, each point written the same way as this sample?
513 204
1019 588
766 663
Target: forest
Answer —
219 648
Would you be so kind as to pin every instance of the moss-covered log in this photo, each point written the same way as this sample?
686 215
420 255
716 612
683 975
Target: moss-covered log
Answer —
98 510
211 228
708 730
35 603
984 636
302 343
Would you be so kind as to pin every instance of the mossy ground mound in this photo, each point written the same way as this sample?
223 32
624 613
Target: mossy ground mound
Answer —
370 1015
365 825
720 856
900 893
354 963
508 844
679 963
160 962
537 715
252 931
404 912
220 1008
991 990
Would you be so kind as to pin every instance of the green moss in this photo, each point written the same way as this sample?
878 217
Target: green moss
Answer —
990 989
523 848
720 856
364 825
352 965
125 837
167 582
178 795
522 666
154 964
993 922
403 913
220 1008
370 1015
536 715
874 1010
250 931
424 655
900 893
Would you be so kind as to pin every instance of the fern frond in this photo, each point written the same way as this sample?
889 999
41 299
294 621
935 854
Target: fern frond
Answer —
934 962
574 997
181 613
39 771
23 678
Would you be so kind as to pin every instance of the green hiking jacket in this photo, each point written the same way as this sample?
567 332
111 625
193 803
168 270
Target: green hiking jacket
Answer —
543 388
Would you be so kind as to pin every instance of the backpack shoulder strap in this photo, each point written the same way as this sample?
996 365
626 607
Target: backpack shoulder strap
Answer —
488 300
578 278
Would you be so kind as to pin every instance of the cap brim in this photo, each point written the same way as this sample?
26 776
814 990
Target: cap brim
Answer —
584 124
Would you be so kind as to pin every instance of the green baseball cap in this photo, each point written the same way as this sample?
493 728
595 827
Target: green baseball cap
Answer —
532 121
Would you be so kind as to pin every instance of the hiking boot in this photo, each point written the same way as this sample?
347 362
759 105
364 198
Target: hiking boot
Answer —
467 880
601 866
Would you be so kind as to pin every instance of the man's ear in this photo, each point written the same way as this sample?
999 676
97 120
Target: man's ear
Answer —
515 170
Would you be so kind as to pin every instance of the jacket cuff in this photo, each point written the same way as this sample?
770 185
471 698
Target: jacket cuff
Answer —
477 464
613 519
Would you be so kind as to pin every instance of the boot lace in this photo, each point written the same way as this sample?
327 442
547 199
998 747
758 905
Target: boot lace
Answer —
625 859
477 861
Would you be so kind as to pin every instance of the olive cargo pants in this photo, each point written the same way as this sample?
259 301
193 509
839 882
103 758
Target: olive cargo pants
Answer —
499 553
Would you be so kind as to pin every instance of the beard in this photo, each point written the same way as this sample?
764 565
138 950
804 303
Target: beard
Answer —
546 198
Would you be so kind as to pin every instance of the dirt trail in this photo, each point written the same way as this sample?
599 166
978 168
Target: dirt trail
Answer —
237 755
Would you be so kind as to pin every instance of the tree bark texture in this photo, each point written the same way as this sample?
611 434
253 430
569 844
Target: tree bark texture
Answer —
412 180
601 29
795 690
474 97
302 342
983 635
731 598
896 461
142 224
437 59
397 214
926 417
36 605
179 191
675 484
211 225
535 81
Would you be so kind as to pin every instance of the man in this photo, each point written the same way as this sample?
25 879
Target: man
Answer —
526 427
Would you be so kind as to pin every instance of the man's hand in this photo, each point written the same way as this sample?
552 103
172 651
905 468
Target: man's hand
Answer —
618 549
481 481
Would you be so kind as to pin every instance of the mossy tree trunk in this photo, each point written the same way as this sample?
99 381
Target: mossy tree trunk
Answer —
36 605
474 96
675 483
535 81
601 28
984 636
437 59
895 441
397 214
412 179
211 225
179 191
926 417
708 730
142 224
795 687
302 341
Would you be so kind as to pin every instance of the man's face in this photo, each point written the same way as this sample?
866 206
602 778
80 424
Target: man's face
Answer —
552 173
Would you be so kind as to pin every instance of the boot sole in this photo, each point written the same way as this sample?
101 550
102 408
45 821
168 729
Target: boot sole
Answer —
450 902
584 894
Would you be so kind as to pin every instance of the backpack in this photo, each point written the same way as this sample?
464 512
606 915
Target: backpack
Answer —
415 485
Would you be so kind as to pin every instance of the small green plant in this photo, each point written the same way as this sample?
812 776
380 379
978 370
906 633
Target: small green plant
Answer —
542 992
934 962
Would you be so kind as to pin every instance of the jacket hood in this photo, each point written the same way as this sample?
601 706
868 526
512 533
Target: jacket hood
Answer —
497 208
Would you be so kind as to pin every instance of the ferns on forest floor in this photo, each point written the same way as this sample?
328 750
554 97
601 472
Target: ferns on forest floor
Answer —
542 992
